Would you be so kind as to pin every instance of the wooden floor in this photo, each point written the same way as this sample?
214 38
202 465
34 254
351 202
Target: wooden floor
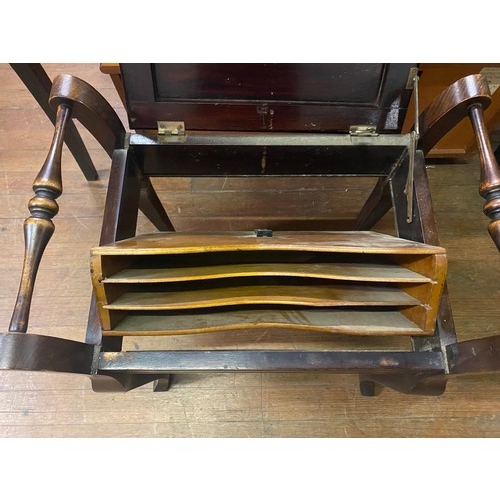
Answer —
221 405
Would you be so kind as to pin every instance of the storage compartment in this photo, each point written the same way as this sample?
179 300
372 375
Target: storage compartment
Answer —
351 283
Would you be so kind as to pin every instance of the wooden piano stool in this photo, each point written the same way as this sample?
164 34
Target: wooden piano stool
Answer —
338 297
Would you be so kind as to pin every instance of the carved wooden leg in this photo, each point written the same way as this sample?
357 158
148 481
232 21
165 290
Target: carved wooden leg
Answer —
489 184
38 228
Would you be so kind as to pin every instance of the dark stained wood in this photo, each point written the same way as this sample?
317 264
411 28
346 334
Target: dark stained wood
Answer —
246 360
272 97
460 142
469 95
450 107
152 207
38 228
489 182
90 108
37 81
290 154
417 229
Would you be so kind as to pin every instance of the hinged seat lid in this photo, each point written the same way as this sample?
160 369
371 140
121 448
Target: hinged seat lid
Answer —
310 97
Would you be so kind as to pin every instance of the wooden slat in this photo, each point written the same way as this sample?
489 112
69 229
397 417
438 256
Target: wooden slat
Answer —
319 296
383 273
286 361
315 320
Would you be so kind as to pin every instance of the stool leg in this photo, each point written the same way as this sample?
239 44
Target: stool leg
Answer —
162 384
367 387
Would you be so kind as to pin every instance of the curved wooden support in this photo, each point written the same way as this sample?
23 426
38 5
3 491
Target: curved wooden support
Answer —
70 97
90 108
474 356
450 107
468 96
96 114
43 353
489 183
39 84
38 228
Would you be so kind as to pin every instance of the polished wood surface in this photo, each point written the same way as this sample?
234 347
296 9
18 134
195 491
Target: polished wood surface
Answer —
270 97
434 78
358 270
230 405
39 84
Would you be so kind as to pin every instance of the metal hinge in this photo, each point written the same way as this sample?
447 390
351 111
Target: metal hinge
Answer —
171 131
363 130
171 128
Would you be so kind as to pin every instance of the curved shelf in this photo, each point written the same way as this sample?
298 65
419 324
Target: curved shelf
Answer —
376 273
353 283
318 296
312 320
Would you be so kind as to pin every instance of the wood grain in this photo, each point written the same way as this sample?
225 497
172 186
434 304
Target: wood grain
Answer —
221 405
339 271
350 322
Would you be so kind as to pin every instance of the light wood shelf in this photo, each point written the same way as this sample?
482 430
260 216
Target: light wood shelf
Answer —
357 283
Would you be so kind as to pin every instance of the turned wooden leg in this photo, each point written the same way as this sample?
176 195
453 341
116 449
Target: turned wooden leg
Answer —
489 184
38 83
38 228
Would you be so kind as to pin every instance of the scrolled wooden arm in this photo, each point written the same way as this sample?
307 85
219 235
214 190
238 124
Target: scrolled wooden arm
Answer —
450 107
71 98
90 108
469 96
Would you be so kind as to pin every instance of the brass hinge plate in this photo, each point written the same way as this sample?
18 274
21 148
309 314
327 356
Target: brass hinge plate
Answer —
171 131
363 130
